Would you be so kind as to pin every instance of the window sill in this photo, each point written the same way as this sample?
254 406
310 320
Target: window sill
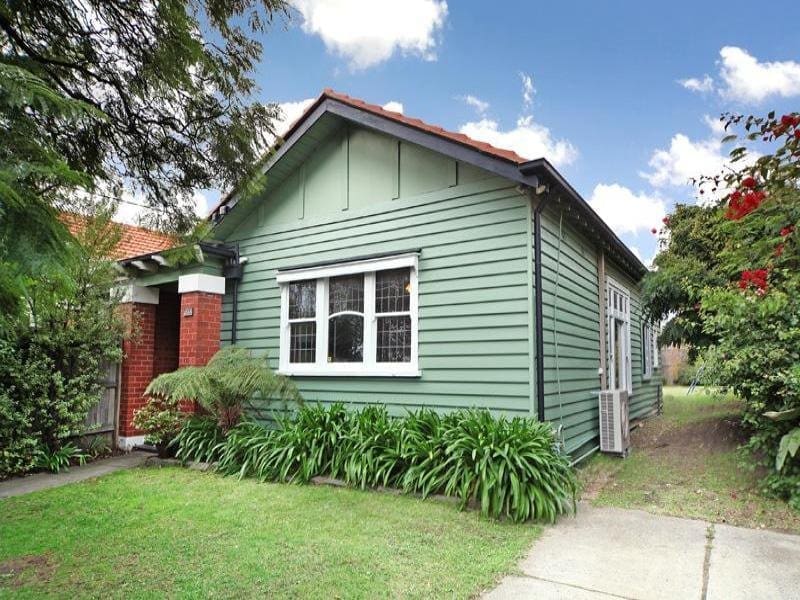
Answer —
379 372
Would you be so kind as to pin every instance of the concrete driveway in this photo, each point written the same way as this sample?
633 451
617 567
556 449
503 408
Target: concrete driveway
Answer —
615 553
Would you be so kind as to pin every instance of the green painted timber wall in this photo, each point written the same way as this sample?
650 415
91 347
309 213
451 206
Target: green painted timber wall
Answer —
363 193
646 391
571 335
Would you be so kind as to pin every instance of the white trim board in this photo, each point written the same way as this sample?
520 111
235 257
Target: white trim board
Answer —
201 282
369 367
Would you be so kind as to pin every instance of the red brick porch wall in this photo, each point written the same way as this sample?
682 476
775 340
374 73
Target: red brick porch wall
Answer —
201 319
137 364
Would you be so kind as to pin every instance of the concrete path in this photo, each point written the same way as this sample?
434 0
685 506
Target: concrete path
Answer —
613 553
42 481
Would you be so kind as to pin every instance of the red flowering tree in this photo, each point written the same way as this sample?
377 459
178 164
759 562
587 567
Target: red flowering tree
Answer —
744 301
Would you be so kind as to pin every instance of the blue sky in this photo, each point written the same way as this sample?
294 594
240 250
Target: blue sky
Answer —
610 103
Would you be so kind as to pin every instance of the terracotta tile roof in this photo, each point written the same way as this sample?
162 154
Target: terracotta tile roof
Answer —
134 241
460 138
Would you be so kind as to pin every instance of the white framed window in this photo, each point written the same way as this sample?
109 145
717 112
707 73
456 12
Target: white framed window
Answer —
356 318
618 330
649 349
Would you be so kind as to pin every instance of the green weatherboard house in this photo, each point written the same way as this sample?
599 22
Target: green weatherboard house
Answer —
390 261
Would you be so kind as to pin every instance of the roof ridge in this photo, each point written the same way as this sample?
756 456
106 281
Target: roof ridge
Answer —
463 138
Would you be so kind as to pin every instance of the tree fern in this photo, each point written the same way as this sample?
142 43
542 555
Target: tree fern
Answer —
228 383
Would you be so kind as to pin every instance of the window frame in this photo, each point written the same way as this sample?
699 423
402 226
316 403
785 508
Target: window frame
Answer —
649 349
623 315
370 367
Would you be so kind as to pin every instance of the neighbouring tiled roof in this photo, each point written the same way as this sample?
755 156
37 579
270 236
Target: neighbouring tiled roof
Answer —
134 241
460 138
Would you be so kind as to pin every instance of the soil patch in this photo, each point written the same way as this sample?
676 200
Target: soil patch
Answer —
659 436
38 568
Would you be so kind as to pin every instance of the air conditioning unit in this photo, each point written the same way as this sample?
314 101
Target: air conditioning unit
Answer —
614 433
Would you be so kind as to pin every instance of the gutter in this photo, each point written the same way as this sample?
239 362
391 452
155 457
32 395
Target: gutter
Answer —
547 173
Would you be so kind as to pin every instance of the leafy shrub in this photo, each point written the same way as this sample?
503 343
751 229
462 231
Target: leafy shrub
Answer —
55 460
510 467
199 439
371 452
161 419
41 405
97 446
425 451
245 449
687 373
54 349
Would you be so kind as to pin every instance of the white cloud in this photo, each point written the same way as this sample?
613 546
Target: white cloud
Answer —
366 32
743 78
685 159
528 139
748 80
627 212
481 106
706 84
527 90
716 126
393 106
290 112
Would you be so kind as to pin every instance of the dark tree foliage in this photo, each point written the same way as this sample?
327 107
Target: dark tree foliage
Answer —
168 83
730 274
687 264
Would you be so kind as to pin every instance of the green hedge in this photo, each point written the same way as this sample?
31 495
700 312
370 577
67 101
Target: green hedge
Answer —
509 467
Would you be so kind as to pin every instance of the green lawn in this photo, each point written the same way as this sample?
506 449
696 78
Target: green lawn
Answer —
685 463
152 533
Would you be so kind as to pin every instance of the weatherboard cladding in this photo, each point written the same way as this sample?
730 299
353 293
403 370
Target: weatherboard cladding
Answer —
362 193
571 334
570 328
645 390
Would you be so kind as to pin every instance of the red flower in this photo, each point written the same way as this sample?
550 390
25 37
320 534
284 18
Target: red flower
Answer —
749 182
654 231
756 278
665 220
787 120
797 134
787 230
742 205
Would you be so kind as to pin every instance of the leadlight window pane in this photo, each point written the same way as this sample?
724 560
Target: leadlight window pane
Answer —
346 338
302 299
393 291
347 294
303 342
394 339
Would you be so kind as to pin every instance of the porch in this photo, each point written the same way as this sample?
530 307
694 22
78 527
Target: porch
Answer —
175 315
